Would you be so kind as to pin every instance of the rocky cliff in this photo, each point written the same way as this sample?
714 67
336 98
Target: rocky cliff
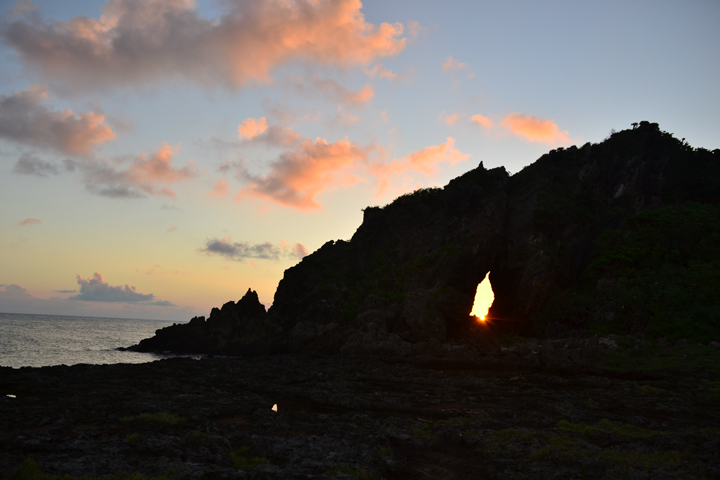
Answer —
566 242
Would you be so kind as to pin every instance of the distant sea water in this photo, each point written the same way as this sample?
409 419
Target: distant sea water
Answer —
43 340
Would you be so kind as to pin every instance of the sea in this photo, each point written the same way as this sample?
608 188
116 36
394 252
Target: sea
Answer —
45 340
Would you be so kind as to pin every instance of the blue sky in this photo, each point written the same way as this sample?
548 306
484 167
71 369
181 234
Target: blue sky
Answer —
157 158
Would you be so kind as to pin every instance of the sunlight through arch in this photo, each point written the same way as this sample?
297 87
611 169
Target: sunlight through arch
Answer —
484 297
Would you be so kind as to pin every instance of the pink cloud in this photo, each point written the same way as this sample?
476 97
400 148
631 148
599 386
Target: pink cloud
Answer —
136 42
343 118
220 189
171 229
449 119
24 119
251 128
534 129
308 168
363 96
298 250
148 174
333 90
450 65
158 168
379 71
482 121
426 161
30 221
277 136
300 174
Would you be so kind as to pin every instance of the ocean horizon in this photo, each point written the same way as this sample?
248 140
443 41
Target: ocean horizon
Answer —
36 340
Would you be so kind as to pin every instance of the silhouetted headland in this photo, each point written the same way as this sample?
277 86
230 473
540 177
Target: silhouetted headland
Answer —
619 237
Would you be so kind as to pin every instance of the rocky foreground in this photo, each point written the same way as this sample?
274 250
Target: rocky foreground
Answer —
632 409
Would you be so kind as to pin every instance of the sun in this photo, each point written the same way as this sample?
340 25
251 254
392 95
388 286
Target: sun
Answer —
484 297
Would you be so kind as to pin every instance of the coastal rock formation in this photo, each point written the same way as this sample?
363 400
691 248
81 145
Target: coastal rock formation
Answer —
235 329
572 242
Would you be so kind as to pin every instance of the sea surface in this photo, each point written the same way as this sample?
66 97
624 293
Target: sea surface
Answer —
43 340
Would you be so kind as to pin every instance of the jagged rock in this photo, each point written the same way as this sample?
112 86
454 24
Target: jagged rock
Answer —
238 328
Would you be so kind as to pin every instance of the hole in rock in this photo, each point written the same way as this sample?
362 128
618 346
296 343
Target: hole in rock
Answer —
484 297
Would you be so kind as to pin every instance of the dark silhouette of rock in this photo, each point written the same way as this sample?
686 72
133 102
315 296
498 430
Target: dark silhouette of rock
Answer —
238 328
410 271
535 232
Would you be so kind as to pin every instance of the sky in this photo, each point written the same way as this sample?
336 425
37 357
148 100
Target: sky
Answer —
160 157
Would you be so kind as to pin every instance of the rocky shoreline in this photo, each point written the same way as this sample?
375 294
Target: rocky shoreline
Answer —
524 409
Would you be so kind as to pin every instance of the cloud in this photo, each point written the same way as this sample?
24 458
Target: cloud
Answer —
449 119
136 42
425 161
147 175
162 303
159 270
272 136
251 128
452 65
30 221
361 97
14 292
171 229
534 129
307 168
379 71
24 119
15 298
240 251
415 30
482 121
297 250
334 90
220 189
96 289
30 165
301 173
342 118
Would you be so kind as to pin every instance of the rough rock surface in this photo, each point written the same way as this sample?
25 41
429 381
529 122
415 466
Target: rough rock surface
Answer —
532 410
